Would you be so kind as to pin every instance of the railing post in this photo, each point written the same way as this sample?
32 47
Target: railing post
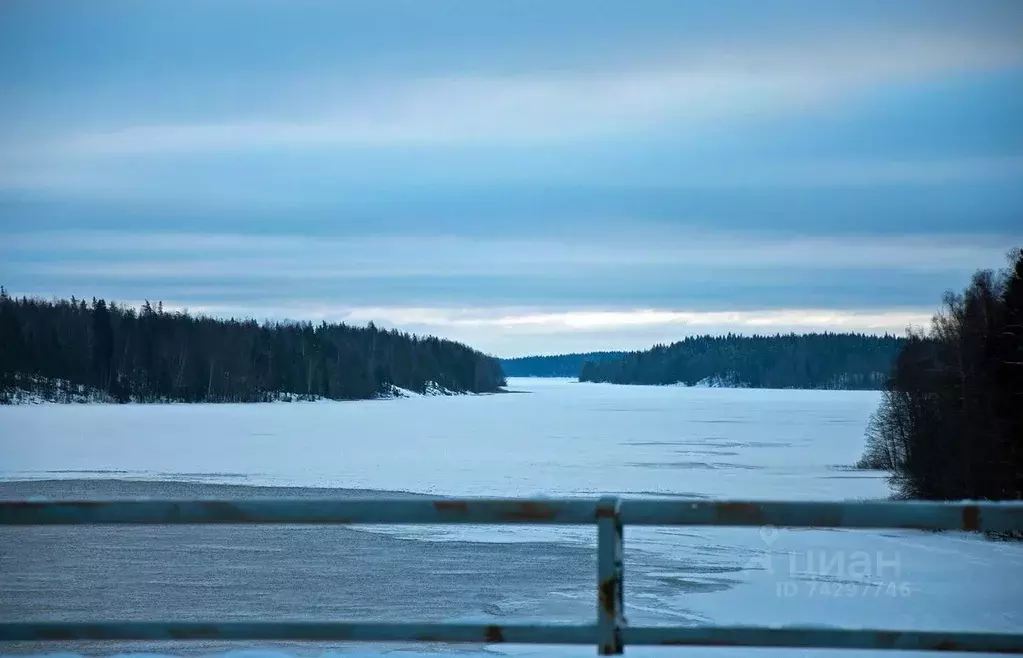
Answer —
610 591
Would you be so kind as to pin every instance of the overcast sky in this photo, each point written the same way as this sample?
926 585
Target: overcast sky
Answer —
526 176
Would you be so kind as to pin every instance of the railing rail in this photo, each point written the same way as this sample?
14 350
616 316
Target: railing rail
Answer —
610 632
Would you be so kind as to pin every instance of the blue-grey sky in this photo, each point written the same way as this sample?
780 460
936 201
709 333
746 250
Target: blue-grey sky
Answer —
529 177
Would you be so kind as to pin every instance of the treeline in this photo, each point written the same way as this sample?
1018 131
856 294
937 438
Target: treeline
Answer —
154 355
561 365
950 423
819 361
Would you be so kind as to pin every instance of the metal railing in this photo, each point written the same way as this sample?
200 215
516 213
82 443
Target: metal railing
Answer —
609 632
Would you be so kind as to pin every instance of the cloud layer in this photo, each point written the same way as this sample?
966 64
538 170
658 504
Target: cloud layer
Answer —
525 177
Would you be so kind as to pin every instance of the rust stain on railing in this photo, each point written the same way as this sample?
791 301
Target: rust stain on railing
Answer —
971 518
531 512
606 593
455 506
493 634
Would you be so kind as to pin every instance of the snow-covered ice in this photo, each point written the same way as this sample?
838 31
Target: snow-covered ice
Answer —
560 438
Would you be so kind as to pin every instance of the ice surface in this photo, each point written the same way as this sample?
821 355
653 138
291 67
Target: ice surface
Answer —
560 438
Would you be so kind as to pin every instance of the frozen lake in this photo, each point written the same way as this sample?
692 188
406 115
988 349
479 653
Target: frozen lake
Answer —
557 438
